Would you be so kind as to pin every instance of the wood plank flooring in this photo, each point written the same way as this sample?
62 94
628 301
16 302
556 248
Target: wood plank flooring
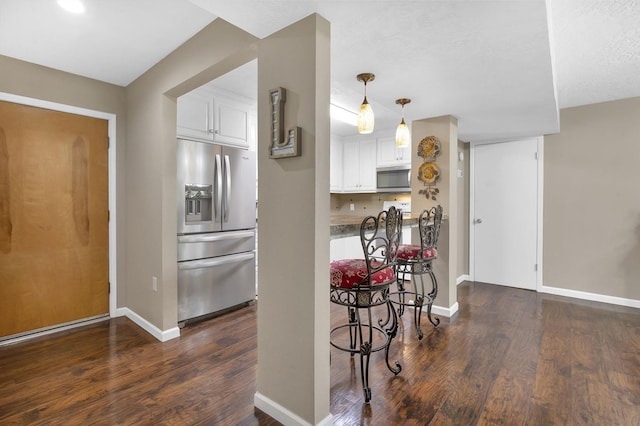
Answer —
509 357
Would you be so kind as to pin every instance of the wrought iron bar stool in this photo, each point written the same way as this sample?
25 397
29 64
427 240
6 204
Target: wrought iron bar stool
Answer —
415 261
363 284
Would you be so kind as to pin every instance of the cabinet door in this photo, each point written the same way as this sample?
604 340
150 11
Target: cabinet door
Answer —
195 114
345 248
390 155
335 166
252 131
231 120
386 151
404 154
367 171
351 166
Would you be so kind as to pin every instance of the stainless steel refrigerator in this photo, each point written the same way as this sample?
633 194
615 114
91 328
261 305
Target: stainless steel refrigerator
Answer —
216 197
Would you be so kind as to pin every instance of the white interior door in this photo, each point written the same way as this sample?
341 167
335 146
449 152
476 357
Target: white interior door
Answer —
505 223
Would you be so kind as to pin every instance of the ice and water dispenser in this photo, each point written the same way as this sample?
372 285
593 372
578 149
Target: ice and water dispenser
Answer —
198 205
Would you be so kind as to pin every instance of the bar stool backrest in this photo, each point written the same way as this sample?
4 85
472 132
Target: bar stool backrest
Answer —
429 226
380 238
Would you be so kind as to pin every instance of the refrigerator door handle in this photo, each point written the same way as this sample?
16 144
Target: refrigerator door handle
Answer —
217 236
218 187
215 261
227 195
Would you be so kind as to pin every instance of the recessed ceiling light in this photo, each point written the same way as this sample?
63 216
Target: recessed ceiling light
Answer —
73 6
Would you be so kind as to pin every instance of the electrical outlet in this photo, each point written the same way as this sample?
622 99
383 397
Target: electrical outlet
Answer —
154 283
352 207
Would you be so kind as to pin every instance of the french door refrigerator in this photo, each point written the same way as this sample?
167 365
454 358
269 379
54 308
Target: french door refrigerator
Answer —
216 191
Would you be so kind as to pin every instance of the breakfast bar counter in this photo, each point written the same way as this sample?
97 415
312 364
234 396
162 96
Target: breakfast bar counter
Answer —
349 225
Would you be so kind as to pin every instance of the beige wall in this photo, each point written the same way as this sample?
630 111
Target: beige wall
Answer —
463 210
445 128
151 162
293 310
592 200
37 82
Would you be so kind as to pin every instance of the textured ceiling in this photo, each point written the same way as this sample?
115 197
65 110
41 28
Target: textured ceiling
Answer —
114 41
495 65
596 50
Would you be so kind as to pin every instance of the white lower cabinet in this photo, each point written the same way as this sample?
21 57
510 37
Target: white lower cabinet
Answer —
346 248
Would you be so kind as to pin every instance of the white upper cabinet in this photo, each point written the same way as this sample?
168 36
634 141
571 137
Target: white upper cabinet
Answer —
195 116
390 155
359 166
212 115
335 165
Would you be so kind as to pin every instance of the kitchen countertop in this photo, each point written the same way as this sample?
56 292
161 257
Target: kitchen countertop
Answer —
349 226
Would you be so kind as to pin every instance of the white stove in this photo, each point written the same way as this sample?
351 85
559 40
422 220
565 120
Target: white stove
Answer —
404 206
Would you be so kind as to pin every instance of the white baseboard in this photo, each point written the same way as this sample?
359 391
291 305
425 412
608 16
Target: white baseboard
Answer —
445 312
595 297
283 415
462 278
438 310
162 335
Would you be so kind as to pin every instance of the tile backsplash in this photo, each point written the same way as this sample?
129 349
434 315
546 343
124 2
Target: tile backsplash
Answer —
363 204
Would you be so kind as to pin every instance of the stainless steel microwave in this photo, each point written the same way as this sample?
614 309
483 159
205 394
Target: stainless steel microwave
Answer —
393 179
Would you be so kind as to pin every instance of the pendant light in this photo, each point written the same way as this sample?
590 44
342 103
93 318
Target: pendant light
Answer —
403 136
365 116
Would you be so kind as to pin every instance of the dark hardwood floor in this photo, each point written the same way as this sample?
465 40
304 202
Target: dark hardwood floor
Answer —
509 357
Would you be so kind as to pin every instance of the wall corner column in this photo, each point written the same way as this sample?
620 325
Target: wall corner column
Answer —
445 128
293 376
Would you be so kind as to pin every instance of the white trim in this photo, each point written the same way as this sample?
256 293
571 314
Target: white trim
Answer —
50 330
462 278
603 298
282 414
161 335
445 312
540 214
111 118
472 230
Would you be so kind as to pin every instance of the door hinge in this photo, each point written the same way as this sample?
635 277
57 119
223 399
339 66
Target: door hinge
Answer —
108 215
108 142
535 267
536 155
108 287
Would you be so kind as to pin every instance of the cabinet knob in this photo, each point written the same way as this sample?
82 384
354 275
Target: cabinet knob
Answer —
211 131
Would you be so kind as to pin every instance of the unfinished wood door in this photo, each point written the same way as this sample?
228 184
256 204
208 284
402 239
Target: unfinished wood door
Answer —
53 218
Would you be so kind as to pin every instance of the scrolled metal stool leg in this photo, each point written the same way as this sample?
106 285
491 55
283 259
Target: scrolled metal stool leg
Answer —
391 333
353 330
384 321
417 311
432 295
365 355
401 291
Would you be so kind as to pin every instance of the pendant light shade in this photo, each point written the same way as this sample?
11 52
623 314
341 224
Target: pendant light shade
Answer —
403 136
366 120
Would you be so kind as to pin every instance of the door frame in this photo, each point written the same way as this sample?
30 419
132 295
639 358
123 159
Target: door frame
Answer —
111 154
540 192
